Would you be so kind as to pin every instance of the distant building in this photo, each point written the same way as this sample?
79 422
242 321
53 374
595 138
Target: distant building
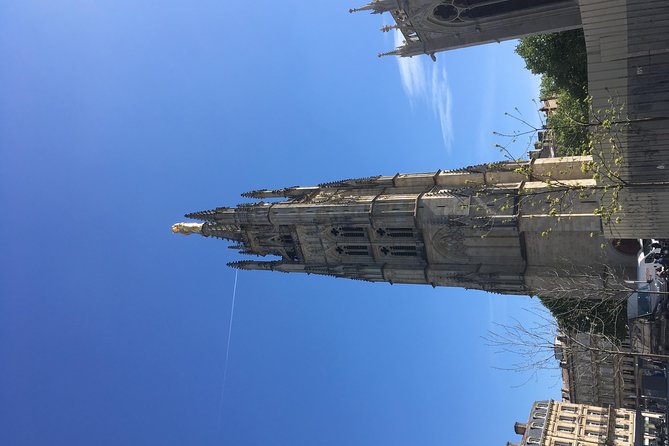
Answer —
591 374
553 423
597 371
545 146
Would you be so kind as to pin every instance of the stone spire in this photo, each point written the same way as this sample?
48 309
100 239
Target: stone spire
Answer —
203 215
388 28
252 265
409 49
396 52
377 6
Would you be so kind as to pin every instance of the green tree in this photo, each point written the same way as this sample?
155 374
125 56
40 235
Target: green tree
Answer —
568 125
560 58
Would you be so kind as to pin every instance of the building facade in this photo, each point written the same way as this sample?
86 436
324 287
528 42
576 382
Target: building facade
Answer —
553 423
596 371
492 227
628 64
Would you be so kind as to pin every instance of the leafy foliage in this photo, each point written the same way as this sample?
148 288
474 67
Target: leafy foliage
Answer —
562 60
569 125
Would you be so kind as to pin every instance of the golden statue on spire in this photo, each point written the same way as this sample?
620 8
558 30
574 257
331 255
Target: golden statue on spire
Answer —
187 228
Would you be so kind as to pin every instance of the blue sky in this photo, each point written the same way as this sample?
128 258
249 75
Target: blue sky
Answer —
118 117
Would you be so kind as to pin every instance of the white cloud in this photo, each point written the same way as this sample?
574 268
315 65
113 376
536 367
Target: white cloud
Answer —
412 73
441 104
426 83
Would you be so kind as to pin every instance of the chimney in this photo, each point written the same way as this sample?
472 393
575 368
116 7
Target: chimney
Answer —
520 428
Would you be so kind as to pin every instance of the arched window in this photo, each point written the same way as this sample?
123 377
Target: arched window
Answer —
459 11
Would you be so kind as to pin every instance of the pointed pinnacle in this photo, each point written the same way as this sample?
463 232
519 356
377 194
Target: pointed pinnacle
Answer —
253 265
376 6
390 53
253 194
362 8
209 215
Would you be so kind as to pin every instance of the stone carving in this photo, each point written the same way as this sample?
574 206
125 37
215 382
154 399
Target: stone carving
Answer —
338 197
449 242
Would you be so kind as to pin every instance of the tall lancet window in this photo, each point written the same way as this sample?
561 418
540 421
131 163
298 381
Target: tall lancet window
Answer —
348 231
399 251
353 250
395 232
285 239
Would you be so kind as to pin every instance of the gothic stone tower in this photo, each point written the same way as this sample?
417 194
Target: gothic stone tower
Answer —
485 227
430 26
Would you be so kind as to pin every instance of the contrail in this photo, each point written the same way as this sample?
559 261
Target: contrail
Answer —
227 354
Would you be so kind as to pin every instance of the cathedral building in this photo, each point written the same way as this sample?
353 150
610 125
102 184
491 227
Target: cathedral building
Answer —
516 227
429 27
